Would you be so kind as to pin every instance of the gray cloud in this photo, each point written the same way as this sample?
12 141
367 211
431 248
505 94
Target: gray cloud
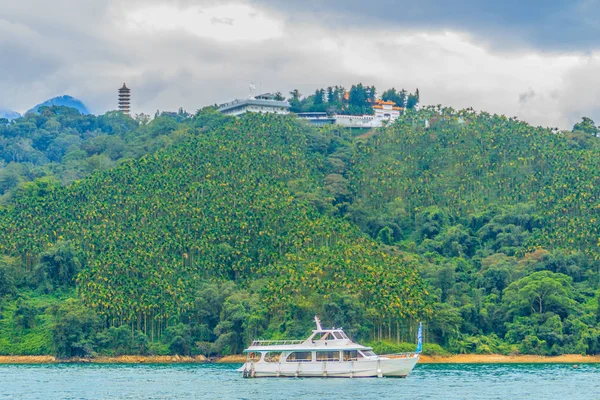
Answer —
225 21
554 25
526 96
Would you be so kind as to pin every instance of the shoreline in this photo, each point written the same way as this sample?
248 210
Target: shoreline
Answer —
512 359
237 359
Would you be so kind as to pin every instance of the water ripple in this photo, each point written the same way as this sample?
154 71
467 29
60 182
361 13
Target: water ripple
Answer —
212 381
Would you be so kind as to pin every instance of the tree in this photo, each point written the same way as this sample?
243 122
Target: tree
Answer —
7 282
25 314
397 97
361 99
179 338
331 95
60 264
295 101
319 97
587 125
74 331
413 100
430 222
295 94
539 292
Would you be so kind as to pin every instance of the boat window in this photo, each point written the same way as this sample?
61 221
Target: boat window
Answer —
337 335
368 353
325 336
253 356
299 356
343 335
350 355
328 356
273 356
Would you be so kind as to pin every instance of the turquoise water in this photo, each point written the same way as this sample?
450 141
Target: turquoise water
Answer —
210 381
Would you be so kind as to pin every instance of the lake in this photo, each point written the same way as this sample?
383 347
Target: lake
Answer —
221 381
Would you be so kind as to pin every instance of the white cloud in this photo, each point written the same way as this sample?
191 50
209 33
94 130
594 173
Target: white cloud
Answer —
226 22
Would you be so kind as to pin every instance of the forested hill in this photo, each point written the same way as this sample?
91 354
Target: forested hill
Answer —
482 226
215 238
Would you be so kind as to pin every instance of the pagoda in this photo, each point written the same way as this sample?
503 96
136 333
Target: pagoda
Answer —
124 99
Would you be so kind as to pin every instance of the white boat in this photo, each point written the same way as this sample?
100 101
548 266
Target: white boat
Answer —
326 353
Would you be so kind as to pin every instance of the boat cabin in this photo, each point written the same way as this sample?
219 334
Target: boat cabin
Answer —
309 356
322 345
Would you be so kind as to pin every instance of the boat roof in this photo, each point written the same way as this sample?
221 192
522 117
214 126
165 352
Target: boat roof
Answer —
329 345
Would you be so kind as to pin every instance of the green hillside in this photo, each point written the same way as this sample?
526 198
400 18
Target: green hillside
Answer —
482 226
143 242
62 145
506 217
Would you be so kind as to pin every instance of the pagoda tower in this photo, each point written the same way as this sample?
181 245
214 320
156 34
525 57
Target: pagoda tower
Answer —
124 99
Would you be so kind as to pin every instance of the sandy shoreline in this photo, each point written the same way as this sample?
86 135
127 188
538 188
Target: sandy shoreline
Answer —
455 359
500 359
103 360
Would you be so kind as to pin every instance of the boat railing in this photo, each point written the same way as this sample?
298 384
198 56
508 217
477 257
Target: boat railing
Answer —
399 355
275 342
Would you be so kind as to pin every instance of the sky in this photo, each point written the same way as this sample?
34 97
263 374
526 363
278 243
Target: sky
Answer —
533 59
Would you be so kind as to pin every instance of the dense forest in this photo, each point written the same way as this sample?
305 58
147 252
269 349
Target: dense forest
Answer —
62 145
204 231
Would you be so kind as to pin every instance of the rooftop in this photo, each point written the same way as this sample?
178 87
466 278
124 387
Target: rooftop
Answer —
254 102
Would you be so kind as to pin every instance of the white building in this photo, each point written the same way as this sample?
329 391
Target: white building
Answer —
384 112
316 118
356 121
264 103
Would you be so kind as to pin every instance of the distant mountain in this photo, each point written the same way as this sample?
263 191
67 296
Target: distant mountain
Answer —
66 101
9 114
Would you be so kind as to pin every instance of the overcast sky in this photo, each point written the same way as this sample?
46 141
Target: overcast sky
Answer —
538 60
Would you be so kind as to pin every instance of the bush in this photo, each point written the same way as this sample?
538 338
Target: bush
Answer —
482 345
388 347
119 341
158 349
179 339
74 332
207 349
25 315
434 349
7 285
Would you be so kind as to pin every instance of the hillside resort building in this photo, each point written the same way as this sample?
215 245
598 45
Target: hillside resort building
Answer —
384 112
263 103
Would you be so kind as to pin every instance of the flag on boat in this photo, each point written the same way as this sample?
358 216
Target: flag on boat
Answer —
420 338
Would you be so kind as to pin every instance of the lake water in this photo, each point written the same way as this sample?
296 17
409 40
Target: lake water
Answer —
213 381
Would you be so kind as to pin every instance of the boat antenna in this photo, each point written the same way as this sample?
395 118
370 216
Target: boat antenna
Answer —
318 321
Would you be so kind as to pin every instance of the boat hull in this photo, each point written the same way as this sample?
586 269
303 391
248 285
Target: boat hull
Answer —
383 367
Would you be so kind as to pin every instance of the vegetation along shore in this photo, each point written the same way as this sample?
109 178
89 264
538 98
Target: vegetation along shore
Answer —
238 359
